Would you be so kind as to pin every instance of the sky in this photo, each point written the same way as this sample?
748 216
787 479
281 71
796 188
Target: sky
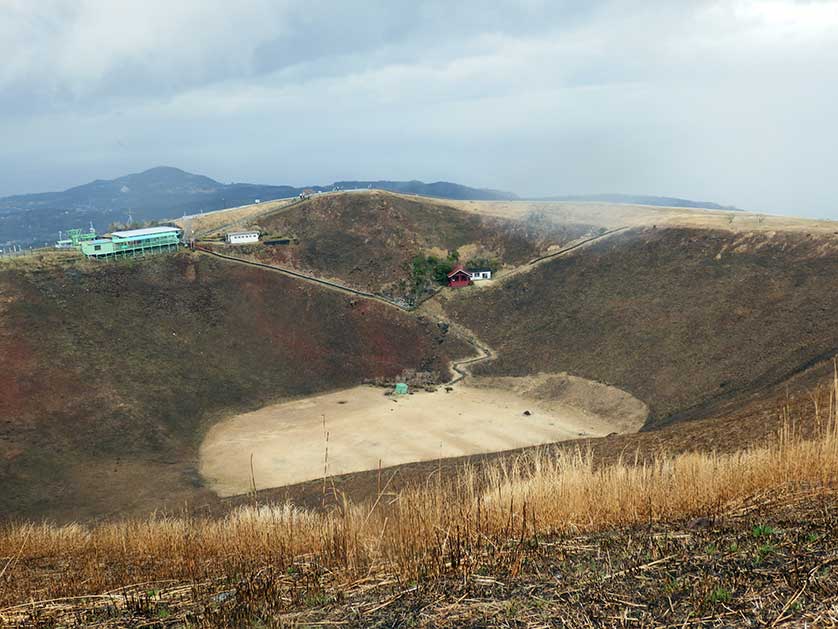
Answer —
733 102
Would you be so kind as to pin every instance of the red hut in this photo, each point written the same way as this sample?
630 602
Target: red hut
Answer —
459 277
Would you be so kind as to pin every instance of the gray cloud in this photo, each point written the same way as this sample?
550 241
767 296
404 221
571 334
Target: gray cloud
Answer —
728 101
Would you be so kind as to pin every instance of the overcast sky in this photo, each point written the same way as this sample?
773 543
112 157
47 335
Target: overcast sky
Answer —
735 102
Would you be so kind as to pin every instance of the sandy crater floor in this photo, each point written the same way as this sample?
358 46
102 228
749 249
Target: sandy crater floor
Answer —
287 440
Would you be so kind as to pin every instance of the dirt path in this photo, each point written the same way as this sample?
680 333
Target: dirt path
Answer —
532 264
460 367
463 366
361 428
311 279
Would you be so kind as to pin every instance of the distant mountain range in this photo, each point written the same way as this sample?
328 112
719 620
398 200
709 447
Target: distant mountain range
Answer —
641 200
165 192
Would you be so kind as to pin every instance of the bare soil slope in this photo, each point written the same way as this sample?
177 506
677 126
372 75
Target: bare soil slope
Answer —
110 374
368 239
679 318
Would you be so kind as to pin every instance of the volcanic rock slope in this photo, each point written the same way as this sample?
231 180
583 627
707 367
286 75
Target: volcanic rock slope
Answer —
111 373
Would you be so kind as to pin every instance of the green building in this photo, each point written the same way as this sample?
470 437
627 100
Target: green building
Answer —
133 242
77 237
401 388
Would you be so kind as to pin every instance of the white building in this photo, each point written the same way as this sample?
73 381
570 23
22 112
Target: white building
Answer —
479 274
241 238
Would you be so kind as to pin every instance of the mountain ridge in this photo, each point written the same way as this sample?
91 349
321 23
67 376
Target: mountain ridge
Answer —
639 199
166 192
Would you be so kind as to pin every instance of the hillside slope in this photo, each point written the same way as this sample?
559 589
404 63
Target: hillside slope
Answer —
368 239
680 318
110 374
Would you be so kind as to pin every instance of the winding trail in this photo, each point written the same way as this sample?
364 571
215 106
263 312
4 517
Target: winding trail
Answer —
461 367
368 429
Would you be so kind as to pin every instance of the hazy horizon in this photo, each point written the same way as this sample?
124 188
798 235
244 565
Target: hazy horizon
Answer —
327 183
727 102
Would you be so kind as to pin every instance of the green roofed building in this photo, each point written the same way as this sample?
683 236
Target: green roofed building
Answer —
133 242
77 237
401 388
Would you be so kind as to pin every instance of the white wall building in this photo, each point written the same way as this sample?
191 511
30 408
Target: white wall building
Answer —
479 274
241 238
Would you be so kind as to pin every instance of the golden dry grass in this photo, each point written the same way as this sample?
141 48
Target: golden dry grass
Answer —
41 258
614 215
424 531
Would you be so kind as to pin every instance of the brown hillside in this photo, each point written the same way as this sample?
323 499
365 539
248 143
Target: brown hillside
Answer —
680 318
110 374
367 240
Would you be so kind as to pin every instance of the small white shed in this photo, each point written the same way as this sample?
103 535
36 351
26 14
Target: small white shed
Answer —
479 274
241 238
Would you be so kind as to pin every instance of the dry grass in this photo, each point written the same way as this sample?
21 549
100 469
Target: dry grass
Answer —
599 214
612 215
41 258
264 561
214 224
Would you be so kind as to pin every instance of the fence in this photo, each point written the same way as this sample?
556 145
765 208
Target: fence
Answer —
16 251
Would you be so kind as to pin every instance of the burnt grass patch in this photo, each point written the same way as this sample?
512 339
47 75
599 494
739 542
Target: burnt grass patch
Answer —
113 372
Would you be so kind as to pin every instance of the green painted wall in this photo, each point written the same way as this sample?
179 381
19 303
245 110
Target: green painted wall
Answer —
97 247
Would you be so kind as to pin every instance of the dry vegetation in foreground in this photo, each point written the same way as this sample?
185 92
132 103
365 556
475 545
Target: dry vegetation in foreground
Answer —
743 537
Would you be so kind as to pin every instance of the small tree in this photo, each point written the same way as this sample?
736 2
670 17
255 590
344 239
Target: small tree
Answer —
428 269
441 271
